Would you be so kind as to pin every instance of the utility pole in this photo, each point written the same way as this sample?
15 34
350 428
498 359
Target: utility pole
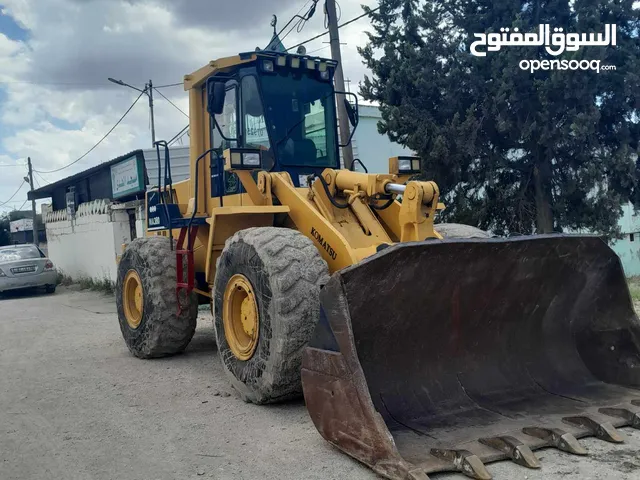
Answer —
33 203
343 119
149 89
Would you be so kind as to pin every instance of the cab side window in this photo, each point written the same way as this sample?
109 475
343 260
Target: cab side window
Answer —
225 183
255 127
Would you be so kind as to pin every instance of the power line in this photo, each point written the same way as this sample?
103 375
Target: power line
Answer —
299 25
73 84
45 181
12 196
326 15
99 142
177 107
21 206
15 165
70 84
178 136
318 49
339 26
170 85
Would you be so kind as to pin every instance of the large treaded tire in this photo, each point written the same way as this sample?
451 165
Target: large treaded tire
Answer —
162 331
459 230
286 272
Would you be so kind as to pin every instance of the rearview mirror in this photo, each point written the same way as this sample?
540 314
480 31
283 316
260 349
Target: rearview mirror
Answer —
351 113
216 92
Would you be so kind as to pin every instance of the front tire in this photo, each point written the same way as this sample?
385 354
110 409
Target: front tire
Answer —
147 302
266 306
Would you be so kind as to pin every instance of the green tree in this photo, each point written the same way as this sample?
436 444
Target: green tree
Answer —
512 151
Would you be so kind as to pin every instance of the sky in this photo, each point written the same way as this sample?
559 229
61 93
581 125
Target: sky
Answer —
56 56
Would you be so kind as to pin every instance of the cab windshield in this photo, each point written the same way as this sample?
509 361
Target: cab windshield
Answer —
300 111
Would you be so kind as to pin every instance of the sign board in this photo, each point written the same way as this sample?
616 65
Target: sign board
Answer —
22 225
127 177
71 203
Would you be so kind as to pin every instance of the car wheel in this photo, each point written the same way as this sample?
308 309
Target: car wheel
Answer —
50 288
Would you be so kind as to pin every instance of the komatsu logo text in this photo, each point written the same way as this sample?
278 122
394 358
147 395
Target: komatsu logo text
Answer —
323 243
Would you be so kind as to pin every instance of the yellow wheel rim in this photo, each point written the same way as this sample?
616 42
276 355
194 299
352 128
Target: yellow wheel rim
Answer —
240 317
133 299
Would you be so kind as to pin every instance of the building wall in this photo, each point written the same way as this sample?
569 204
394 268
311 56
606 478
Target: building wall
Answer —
628 248
373 149
88 245
179 164
629 252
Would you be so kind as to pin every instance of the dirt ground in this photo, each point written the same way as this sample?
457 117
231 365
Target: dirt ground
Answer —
74 404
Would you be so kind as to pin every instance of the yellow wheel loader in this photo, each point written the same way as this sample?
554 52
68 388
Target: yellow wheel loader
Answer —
420 347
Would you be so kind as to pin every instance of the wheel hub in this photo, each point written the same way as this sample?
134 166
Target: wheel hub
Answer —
240 317
133 299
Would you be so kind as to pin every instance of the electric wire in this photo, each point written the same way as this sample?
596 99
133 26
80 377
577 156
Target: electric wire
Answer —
99 142
169 85
177 107
12 196
299 25
339 26
22 206
41 178
179 135
326 14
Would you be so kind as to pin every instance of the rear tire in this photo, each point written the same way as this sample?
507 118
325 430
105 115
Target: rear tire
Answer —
158 330
50 289
285 271
459 230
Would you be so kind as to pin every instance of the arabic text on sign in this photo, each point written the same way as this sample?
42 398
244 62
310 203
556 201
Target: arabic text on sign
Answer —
555 43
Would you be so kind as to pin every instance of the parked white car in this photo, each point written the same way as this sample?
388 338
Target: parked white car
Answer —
25 266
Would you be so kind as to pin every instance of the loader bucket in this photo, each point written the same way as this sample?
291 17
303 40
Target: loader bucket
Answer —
445 355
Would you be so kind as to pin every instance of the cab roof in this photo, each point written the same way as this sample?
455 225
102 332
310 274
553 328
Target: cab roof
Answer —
198 78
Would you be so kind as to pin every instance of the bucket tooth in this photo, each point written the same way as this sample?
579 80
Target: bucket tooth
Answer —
517 451
602 430
558 438
632 417
463 461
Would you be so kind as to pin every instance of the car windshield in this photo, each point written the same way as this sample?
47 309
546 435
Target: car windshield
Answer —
301 112
12 254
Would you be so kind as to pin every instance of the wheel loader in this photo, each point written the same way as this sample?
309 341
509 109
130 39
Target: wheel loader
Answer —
419 347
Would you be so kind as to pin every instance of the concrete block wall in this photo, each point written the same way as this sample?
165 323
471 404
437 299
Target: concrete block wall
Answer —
87 246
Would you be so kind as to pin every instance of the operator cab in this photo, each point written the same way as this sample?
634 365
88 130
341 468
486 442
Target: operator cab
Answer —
282 104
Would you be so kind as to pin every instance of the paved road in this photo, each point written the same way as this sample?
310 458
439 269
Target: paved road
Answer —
74 404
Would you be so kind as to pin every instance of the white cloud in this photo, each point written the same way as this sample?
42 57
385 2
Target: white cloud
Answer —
56 102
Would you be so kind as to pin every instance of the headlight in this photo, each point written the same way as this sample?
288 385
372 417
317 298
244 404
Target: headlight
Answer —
2 273
404 165
251 159
242 159
267 66
408 165
324 75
